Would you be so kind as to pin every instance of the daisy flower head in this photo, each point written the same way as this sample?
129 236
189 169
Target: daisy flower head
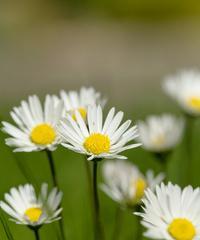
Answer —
184 88
74 100
125 184
24 207
98 138
35 125
171 213
160 133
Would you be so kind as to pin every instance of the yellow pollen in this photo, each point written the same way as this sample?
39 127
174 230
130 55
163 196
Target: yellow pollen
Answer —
33 214
140 186
194 102
97 143
43 134
83 113
182 229
159 140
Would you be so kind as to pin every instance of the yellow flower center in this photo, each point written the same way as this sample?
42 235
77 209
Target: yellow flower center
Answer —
97 143
43 134
182 229
33 214
194 102
140 186
83 113
159 140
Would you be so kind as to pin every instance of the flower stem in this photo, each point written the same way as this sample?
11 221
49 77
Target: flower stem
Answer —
89 183
118 221
138 234
36 232
98 235
189 142
55 183
162 158
52 168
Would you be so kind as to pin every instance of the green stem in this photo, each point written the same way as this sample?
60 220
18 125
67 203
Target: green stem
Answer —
189 142
55 183
89 177
36 232
138 234
162 158
89 181
52 168
118 222
98 235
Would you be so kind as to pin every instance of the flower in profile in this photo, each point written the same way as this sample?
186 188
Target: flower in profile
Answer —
26 208
36 125
98 139
125 184
184 88
171 213
160 133
74 100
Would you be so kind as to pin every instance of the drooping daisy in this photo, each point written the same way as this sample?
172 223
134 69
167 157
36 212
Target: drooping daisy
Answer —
74 100
97 139
160 133
171 213
26 208
125 184
35 128
184 88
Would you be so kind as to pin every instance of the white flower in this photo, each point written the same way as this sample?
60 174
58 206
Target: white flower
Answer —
35 129
172 213
125 184
97 139
184 88
26 208
160 133
74 100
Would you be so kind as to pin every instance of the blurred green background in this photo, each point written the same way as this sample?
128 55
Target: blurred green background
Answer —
124 49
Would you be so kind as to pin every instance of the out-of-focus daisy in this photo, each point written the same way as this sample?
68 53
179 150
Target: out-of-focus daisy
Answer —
171 213
184 88
26 208
74 100
160 133
98 139
125 184
35 128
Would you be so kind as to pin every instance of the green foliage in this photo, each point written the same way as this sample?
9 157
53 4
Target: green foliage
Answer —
133 9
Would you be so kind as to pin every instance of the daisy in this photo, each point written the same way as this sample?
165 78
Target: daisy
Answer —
171 213
26 208
184 88
125 184
35 125
160 133
98 138
74 100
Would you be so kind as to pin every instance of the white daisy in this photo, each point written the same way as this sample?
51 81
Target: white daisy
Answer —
97 139
171 213
35 128
160 133
184 88
74 100
125 184
26 208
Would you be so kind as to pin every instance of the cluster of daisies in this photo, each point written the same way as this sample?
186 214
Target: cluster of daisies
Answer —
77 121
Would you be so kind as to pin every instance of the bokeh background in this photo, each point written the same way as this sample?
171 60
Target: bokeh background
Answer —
123 48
